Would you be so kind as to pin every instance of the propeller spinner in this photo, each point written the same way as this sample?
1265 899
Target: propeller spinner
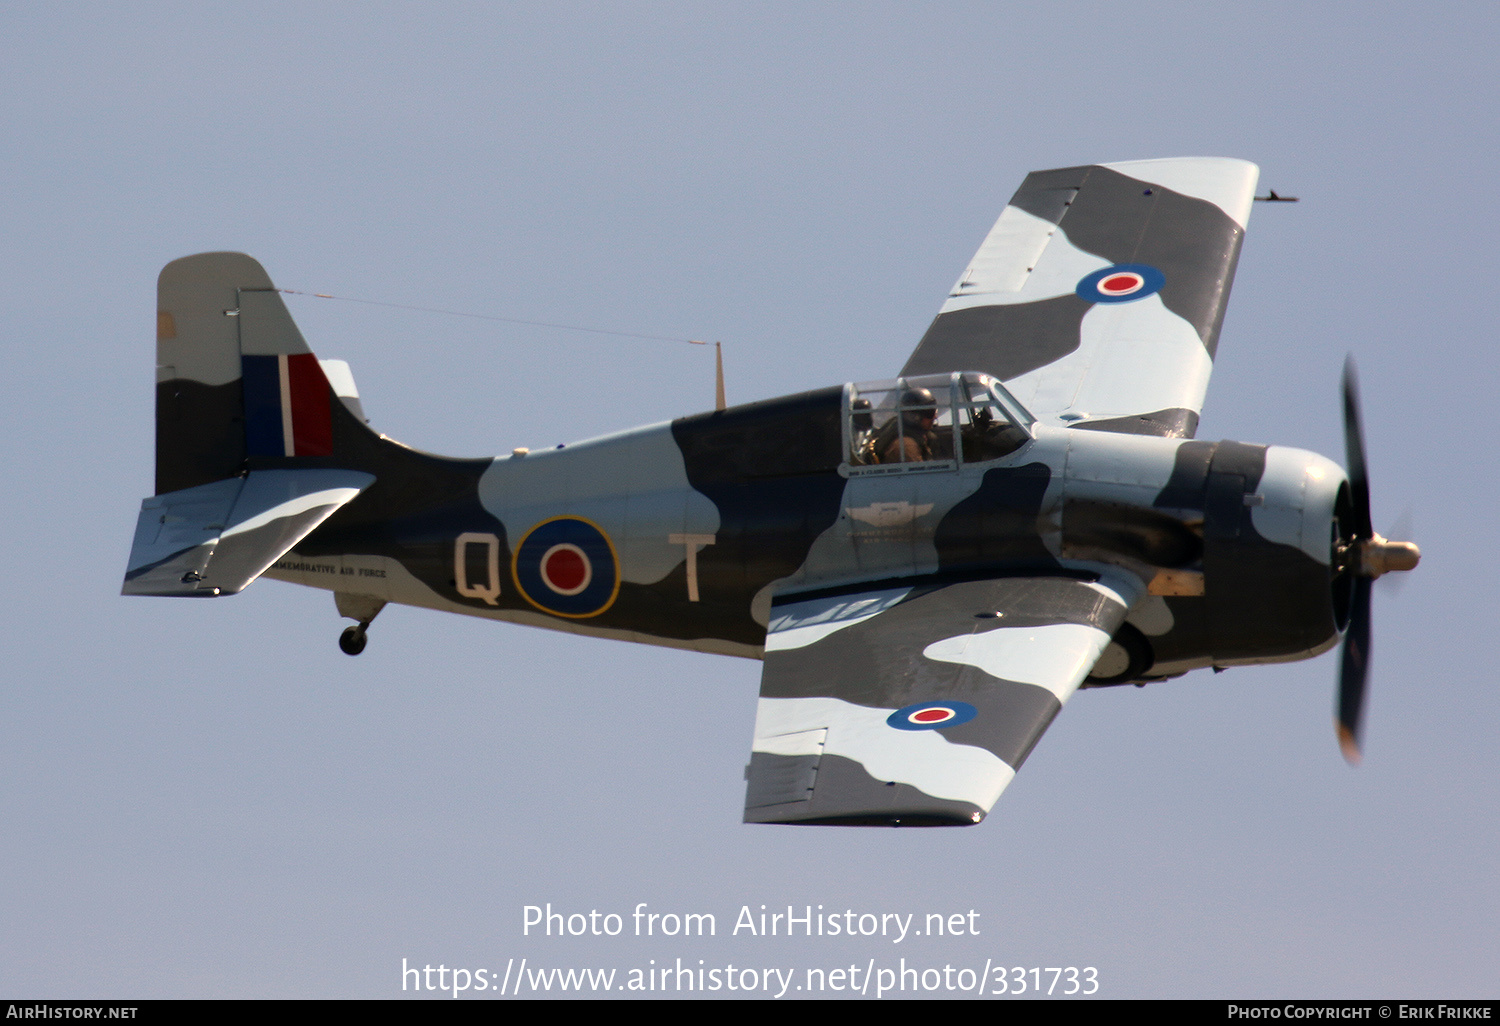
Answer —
1363 555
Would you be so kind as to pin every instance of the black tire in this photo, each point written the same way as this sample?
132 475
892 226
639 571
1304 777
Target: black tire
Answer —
352 641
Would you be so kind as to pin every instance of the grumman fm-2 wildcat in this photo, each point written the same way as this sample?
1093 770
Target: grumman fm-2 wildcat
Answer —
929 566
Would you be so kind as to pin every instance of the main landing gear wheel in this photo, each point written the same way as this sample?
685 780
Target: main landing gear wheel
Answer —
352 641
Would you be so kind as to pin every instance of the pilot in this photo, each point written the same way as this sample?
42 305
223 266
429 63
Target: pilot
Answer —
914 442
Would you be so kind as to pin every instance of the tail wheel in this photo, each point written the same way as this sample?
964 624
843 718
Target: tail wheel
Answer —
353 640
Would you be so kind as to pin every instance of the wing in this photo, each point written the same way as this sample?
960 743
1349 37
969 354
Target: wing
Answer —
1098 295
916 706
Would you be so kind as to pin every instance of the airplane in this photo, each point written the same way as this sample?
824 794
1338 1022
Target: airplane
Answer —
929 566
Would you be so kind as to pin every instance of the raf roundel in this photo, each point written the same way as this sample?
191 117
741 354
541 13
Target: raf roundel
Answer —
931 715
566 569
1122 283
567 566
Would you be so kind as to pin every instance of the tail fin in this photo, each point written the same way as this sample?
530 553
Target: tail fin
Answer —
235 379
246 453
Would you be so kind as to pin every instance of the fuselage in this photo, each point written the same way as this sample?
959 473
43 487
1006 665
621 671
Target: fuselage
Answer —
687 533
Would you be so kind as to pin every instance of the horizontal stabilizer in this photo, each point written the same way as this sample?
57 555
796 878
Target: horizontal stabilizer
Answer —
216 538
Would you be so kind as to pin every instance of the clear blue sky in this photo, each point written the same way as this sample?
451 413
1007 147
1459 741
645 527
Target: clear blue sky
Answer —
209 799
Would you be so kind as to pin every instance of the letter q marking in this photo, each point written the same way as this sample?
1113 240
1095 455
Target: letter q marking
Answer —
490 590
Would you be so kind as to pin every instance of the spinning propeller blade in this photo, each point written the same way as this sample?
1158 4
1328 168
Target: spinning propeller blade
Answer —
1354 451
1354 669
1365 555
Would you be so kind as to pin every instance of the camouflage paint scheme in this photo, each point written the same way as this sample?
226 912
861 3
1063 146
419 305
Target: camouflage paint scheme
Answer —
920 624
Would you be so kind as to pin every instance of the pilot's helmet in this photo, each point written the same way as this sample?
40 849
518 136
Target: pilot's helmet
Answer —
917 404
860 415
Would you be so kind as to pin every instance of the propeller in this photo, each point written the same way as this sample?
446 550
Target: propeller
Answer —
1363 555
